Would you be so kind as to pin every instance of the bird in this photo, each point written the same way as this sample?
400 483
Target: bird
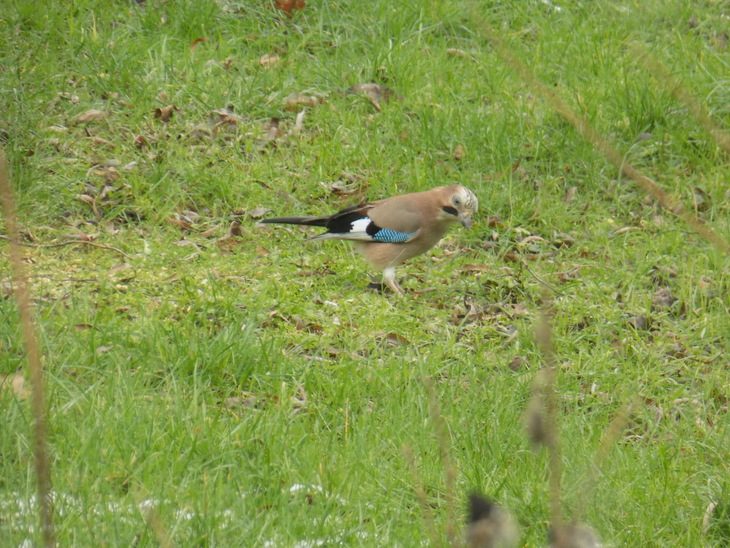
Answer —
389 231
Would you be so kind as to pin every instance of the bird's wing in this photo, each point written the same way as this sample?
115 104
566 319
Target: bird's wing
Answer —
358 223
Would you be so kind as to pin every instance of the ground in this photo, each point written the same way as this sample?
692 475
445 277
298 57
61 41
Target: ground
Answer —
222 383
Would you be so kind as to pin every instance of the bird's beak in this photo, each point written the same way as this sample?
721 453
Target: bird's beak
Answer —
465 220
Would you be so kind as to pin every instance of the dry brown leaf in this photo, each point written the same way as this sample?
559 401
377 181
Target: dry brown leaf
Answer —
459 152
639 322
570 194
393 339
90 115
272 132
297 101
375 92
516 363
209 232
226 244
625 229
197 41
140 141
476 268
299 123
455 52
663 298
269 60
176 221
16 383
165 113
302 325
101 141
289 5
85 198
257 212
234 230
495 221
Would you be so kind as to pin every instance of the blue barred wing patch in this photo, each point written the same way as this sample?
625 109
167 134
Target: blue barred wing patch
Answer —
387 235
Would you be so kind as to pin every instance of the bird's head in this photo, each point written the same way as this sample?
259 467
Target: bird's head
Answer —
462 205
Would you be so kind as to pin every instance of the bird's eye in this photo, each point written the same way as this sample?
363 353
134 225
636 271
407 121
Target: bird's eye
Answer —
455 200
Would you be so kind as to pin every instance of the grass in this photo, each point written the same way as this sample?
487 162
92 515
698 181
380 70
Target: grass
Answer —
247 388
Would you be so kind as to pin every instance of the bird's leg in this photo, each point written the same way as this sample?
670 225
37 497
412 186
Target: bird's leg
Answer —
389 278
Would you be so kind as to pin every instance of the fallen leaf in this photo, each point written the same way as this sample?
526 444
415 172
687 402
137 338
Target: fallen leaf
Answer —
140 141
197 41
257 212
394 339
301 325
103 349
455 52
176 221
375 92
625 229
458 152
269 60
639 322
663 298
272 132
165 113
234 230
299 123
16 383
90 115
516 363
340 188
570 194
226 244
297 101
289 5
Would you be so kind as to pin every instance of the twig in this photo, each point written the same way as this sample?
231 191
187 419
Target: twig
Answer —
543 334
84 242
449 468
72 242
550 286
599 142
22 294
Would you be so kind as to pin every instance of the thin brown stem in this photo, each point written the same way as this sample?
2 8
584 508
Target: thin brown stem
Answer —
544 335
599 142
442 437
678 89
22 294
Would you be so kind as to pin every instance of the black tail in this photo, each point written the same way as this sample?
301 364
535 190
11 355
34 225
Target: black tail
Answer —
308 221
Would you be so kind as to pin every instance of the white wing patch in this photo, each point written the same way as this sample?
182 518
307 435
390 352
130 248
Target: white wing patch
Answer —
359 228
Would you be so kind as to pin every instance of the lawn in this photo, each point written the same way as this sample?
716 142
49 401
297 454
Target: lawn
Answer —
212 381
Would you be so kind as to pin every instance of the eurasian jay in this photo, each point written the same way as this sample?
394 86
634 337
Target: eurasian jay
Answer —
390 231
